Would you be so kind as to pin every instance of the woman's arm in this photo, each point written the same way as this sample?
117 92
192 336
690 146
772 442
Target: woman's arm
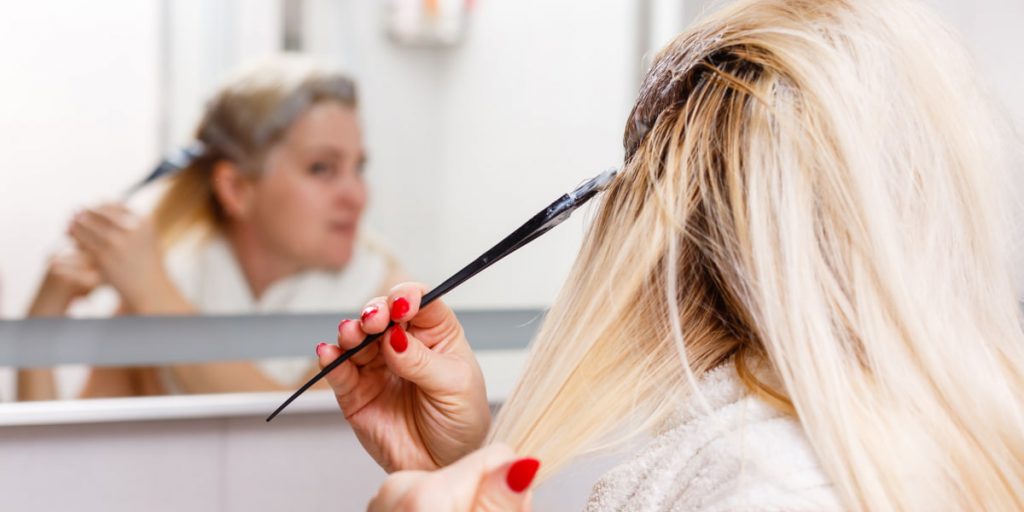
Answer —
123 381
228 377
36 384
138 381
69 275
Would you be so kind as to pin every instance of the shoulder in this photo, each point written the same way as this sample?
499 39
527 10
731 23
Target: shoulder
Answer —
729 450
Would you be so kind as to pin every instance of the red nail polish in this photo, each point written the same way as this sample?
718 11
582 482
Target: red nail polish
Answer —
521 474
368 313
341 325
320 347
399 341
399 308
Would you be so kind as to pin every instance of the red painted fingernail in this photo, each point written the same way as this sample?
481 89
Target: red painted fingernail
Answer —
320 347
368 313
399 341
521 474
341 325
399 308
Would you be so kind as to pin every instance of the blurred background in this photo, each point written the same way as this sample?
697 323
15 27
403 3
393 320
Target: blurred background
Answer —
472 120
474 115
469 132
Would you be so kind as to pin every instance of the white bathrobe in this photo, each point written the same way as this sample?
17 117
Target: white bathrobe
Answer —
205 270
742 456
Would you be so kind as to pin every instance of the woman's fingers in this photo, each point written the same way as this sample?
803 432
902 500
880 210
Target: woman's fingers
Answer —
73 261
91 238
508 487
374 317
343 379
395 488
492 479
434 323
404 303
412 360
96 229
114 216
350 335
102 228
101 220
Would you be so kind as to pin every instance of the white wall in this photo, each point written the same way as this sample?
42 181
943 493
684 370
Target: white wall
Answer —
479 137
992 32
525 122
78 110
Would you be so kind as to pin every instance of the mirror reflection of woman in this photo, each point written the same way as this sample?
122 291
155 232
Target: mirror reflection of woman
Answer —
265 219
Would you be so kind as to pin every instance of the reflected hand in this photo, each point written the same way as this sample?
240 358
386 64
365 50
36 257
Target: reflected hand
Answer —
415 397
489 480
70 274
74 273
124 247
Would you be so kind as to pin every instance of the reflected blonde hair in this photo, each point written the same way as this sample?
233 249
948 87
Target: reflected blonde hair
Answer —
246 117
815 187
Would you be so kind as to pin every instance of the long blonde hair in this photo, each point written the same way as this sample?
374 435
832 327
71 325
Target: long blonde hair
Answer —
815 187
246 117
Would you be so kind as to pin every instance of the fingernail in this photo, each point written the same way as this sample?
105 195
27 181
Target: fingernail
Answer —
399 308
521 474
399 341
320 347
368 313
341 325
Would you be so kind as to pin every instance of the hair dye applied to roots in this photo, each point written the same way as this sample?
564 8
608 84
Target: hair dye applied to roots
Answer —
814 191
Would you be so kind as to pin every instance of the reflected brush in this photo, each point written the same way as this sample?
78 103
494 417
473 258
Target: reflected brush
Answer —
539 224
175 162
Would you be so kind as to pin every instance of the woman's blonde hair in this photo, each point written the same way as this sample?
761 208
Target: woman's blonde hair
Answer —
246 117
814 190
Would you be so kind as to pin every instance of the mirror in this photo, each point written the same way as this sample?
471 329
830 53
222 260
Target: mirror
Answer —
469 116
468 122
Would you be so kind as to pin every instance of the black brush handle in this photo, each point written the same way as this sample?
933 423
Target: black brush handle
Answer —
528 231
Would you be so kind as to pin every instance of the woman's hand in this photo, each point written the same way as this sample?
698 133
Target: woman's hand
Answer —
415 397
124 247
70 274
492 479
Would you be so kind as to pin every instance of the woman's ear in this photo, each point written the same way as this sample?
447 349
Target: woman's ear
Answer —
232 189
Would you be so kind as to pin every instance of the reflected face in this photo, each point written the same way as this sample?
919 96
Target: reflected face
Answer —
307 203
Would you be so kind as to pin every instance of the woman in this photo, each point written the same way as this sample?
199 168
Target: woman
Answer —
799 283
265 219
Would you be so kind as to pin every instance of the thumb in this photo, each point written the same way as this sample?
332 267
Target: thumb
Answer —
411 360
506 489
491 479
